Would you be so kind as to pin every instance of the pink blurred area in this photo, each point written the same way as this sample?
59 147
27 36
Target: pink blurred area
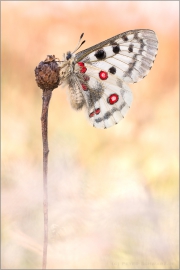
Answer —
113 194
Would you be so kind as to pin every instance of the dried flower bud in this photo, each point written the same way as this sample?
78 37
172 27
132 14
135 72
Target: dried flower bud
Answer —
47 73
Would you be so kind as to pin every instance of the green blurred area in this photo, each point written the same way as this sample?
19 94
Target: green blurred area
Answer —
113 194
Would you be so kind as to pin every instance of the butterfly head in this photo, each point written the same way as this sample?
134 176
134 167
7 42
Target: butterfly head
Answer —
68 55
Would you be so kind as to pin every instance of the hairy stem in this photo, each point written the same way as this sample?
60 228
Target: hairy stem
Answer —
44 122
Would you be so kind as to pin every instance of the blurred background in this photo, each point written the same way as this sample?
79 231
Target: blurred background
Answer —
113 194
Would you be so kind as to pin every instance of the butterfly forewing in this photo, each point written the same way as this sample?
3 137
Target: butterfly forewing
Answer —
129 55
148 36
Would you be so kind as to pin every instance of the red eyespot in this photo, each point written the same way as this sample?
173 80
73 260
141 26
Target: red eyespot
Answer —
103 75
91 114
97 111
83 68
81 64
84 87
113 99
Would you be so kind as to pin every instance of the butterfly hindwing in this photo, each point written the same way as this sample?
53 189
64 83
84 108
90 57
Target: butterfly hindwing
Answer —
108 100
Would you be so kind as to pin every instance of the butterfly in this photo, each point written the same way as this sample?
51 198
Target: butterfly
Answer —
97 77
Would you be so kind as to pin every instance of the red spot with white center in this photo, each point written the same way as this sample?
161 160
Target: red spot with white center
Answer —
97 111
84 87
103 75
82 67
113 99
91 114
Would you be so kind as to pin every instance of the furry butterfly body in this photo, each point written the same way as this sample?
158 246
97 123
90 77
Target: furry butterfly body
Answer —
97 77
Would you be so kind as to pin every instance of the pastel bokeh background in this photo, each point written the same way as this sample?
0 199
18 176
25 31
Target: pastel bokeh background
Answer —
113 194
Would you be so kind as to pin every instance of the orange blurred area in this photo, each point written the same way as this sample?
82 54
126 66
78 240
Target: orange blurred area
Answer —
113 194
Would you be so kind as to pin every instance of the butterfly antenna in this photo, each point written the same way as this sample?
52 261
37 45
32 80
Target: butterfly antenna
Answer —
79 45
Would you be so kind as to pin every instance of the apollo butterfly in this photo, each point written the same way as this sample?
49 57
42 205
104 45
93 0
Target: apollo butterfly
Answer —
97 76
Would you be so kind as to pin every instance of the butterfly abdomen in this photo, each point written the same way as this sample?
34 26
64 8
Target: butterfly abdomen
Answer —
75 92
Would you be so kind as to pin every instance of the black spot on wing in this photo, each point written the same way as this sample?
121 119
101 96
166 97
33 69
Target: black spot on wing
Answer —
125 38
112 70
130 49
100 54
116 49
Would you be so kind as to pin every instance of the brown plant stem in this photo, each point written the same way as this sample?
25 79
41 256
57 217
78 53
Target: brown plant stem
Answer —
47 78
44 122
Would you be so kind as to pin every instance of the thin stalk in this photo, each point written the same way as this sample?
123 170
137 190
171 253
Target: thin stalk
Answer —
44 122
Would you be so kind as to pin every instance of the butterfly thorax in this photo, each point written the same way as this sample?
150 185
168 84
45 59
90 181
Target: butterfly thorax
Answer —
67 66
71 76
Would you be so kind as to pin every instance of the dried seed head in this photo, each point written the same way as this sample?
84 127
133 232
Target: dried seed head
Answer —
47 73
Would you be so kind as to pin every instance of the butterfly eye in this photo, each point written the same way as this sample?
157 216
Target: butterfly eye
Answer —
68 56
